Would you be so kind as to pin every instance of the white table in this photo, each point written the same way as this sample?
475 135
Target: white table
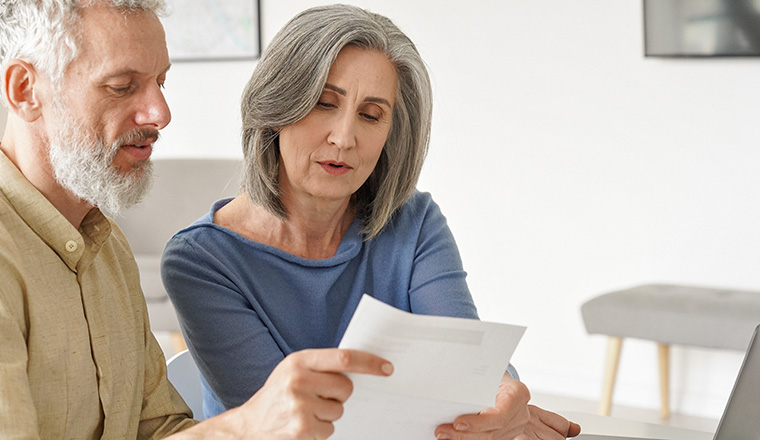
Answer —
596 424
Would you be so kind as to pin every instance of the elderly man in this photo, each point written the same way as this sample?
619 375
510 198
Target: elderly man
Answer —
82 81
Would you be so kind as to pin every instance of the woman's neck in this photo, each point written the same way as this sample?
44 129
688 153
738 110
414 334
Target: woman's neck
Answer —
311 230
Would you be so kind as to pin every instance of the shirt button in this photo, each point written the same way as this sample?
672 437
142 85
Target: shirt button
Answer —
71 246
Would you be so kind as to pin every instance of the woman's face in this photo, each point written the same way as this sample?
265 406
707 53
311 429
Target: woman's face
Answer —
331 152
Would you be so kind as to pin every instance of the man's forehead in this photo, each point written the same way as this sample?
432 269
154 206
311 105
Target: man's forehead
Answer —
113 43
100 19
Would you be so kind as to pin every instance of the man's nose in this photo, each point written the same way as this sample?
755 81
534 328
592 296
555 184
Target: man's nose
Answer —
153 111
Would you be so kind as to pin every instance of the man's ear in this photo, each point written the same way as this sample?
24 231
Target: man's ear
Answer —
21 87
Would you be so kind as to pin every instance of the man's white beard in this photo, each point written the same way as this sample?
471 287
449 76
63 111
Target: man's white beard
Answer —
83 164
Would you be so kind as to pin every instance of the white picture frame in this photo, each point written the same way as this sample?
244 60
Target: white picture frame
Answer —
209 30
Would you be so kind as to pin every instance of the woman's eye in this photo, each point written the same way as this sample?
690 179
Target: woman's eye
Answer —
324 104
370 117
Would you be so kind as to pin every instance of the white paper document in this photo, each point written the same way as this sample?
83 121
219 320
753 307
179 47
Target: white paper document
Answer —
443 368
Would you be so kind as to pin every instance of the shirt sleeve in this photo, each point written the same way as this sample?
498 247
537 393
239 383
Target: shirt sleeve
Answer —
18 416
222 327
438 283
163 412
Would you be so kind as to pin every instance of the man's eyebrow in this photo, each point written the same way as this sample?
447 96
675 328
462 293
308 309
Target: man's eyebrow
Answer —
374 99
129 72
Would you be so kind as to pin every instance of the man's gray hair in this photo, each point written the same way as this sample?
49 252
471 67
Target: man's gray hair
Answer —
45 33
288 81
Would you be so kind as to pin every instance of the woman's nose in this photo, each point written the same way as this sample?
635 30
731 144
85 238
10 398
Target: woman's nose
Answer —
343 131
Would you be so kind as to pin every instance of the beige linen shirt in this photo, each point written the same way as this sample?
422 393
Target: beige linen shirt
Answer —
77 358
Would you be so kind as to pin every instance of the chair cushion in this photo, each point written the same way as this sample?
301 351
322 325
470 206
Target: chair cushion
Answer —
150 277
676 314
162 317
160 310
183 190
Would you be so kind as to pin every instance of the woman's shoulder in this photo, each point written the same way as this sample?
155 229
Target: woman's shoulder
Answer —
203 226
224 232
417 208
420 198
418 213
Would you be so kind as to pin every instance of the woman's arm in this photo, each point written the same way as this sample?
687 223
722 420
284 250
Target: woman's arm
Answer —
233 348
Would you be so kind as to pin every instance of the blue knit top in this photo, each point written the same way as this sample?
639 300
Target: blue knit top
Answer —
244 306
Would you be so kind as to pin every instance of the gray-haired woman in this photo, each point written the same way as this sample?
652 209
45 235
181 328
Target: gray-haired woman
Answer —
336 125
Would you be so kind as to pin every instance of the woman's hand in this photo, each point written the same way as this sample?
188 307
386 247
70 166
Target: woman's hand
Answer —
547 425
511 418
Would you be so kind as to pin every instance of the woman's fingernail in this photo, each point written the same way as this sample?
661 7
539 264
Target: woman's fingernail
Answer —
461 426
387 369
442 436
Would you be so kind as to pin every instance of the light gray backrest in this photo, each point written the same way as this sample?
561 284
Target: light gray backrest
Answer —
184 375
183 191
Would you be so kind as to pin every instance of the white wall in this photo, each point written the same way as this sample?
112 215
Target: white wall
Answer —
567 165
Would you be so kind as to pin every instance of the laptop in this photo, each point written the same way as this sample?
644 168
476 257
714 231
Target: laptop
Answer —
741 417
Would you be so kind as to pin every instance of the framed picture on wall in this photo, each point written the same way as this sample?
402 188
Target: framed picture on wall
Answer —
211 30
705 28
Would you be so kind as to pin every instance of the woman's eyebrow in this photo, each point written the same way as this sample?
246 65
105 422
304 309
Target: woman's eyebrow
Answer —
335 89
374 99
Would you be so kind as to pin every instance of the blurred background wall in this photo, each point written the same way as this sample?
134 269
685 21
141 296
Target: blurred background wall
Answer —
568 164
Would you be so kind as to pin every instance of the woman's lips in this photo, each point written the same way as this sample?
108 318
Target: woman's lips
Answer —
335 168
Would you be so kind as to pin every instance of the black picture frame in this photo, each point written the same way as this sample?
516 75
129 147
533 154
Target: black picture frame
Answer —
701 29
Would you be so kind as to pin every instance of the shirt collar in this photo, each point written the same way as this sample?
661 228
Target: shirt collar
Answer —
48 223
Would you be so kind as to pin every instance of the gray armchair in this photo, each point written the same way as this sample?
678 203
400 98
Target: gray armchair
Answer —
183 191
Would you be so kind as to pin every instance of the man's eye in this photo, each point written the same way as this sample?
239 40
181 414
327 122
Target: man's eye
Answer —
121 90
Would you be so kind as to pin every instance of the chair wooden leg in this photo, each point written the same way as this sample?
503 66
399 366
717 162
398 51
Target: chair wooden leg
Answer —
614 346
663 354
178 342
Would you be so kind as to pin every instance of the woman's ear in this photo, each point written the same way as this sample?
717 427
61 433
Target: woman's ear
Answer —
21 87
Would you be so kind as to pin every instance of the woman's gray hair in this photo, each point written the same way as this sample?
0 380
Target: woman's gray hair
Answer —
288 81
46 33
